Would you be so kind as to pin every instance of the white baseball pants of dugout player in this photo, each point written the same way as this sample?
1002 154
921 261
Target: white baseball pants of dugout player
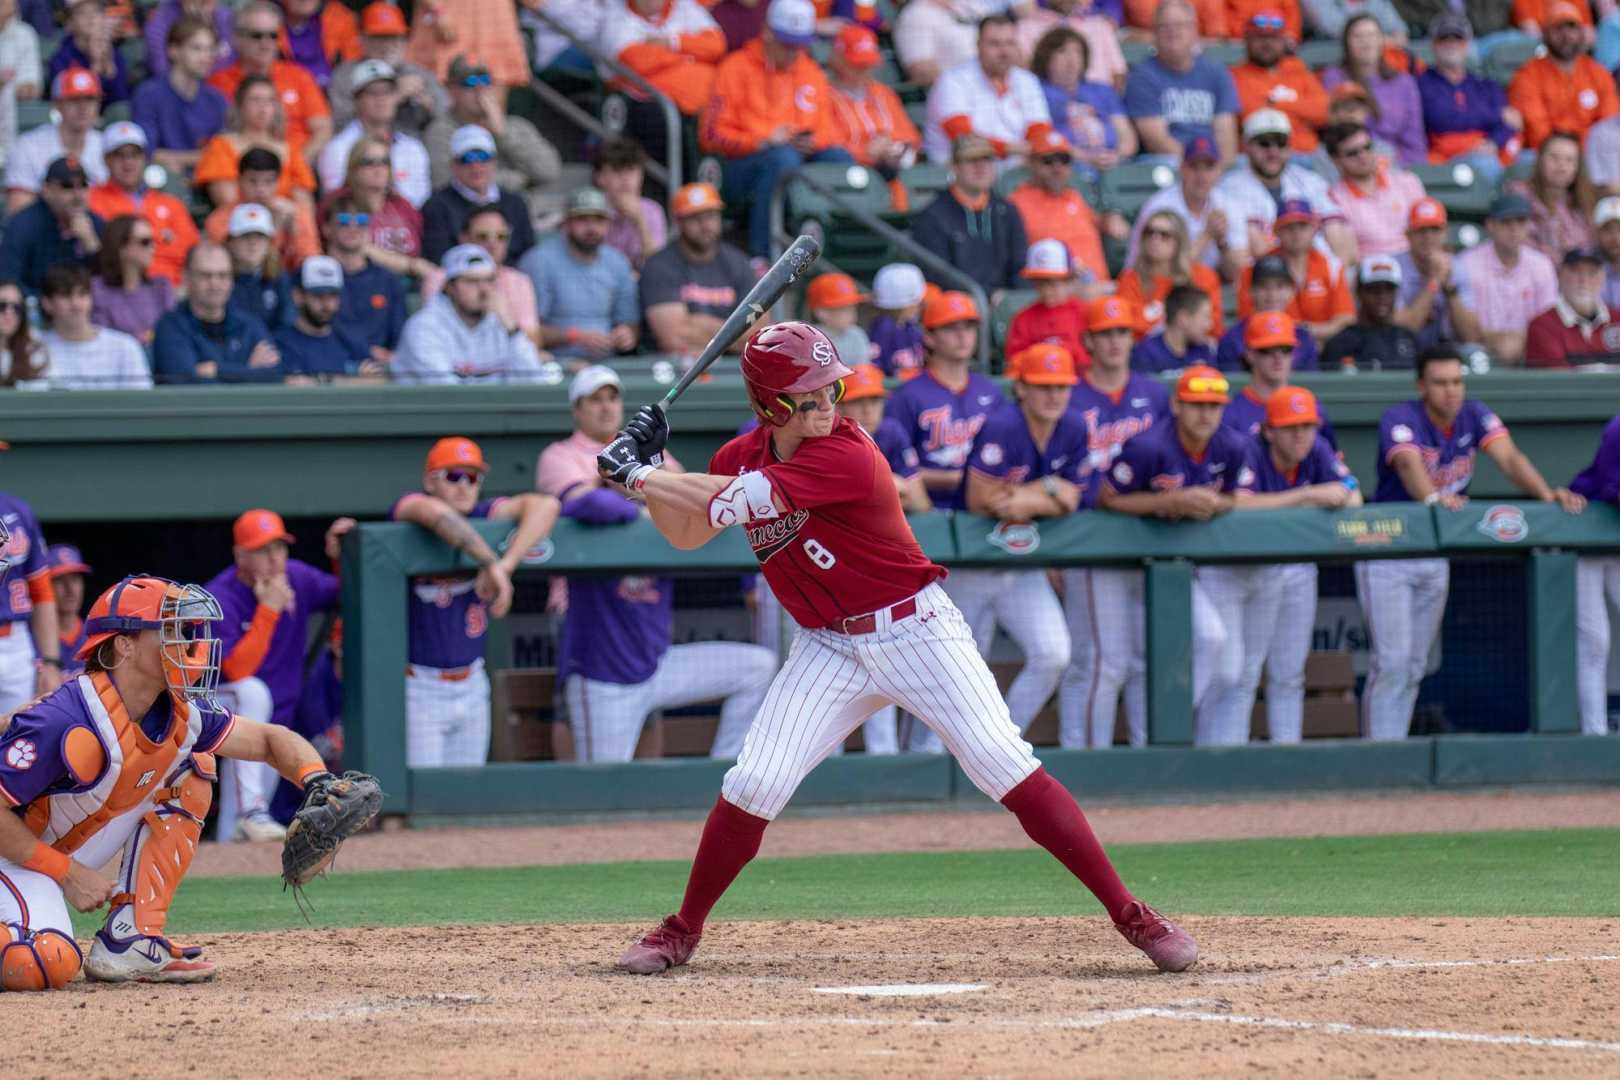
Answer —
1269 613
446 716
1597 590
17 674
607 718
245 787
879 735
1404 602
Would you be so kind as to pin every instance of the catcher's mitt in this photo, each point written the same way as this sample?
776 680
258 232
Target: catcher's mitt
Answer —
334 809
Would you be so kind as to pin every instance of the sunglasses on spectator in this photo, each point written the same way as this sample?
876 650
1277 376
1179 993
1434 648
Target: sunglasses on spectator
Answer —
374 161
491 237
1054 159
353 219
1355 151
11 307
1267 22
1270 142
462 476
472 157
74 185
1162 234
261 35
474 81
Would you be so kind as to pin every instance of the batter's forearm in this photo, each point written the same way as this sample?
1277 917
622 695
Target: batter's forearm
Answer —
679 506
458 532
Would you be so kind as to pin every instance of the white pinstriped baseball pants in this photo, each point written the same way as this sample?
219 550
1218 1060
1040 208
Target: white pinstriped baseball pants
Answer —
17 674
446 721
927 664
1597 589
1021 602
1404 602
1268 612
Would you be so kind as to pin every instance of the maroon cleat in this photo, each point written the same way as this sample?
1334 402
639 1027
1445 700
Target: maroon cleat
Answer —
669 944
1166 944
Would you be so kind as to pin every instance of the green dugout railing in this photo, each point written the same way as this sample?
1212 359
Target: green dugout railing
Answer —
379 558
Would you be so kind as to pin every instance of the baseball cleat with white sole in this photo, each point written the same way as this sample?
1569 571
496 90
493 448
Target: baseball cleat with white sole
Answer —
145 959
261 828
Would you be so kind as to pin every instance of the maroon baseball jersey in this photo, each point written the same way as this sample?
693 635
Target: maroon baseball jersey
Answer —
841 546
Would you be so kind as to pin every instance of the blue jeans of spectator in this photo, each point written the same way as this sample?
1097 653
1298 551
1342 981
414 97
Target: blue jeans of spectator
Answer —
754 178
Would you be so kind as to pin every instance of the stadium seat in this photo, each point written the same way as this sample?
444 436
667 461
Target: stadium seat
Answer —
924 182
1319 53
1458 187
1504 61
32 114
853 248
1126 188
111 114
1001 316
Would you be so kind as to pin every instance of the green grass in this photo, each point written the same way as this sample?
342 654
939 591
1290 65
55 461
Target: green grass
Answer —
1562 872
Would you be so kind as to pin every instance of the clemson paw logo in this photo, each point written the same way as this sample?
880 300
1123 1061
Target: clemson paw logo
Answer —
21 754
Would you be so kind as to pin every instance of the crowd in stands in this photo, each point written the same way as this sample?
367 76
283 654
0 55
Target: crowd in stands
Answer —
156 147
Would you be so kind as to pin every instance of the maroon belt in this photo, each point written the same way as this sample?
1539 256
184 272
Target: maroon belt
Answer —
856 625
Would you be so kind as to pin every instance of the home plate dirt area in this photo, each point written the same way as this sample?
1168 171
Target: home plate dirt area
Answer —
979 997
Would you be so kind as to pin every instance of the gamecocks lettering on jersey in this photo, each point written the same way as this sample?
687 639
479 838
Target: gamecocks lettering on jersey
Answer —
773 536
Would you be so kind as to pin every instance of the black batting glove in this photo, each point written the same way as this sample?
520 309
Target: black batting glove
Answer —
650 428
618 462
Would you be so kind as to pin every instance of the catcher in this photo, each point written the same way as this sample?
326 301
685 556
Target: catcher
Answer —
121 761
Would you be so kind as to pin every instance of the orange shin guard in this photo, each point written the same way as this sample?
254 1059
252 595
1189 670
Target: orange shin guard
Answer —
172 832
36 960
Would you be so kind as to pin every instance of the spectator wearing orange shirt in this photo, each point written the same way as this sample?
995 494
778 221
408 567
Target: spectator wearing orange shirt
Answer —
1534 17
1566 90
1271 79
770 114
125 192
295 236
673 45
1057 317
256 33
1322 301
1054 210
868 119
1162 262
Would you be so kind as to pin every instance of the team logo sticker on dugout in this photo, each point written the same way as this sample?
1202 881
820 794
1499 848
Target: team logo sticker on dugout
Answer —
1016 537
1504 524
540 553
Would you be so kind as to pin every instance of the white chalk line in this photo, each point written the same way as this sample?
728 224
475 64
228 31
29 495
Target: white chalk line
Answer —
1357 967
903 989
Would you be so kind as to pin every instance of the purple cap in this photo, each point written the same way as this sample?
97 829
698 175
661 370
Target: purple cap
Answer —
1575 256
1295 210
1200 148
65 559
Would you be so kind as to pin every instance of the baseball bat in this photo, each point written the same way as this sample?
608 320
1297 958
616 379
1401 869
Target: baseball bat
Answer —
798 258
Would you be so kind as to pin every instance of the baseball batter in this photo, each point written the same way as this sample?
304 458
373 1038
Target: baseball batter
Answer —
1026 464
823 518
1270 610
618 663
446 686
27 611
68 569
1189 470
267 600
1115 404
119 762
1426 452
1597 589
1270 361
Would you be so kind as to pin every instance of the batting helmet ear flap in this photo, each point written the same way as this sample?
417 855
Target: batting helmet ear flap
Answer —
839 388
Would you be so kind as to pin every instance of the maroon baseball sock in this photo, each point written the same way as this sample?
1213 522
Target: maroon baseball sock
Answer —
730 838
1053 820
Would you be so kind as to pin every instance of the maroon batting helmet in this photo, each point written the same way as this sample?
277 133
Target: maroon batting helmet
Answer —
788 358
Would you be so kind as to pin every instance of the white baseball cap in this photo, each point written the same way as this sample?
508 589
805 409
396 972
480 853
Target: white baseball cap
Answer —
249 218
470 137
465 259
590 380
792 22
321 273
1048 259
1379 270
367 72
1266 122
899 285
120 134
1608 209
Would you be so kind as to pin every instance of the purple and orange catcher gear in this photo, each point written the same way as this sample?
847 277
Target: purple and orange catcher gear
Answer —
181 614
789 358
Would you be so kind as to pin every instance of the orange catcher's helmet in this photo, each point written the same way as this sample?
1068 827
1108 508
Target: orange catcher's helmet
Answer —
789 358
181 614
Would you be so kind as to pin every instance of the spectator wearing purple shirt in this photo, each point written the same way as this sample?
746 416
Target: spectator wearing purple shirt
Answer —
896 335
1397 107
125 295
1184 341
169 12
88 44
1089 114
1467 117
178 111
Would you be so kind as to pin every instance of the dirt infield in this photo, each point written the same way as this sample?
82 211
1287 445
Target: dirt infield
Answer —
1000 997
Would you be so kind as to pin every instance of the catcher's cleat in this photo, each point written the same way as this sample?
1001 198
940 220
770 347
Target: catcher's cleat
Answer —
1166 944
144 958
261 828
669 944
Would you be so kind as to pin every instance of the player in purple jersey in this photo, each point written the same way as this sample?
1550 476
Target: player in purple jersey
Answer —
27 611
266 600
1270 610
618 662
1269 356
942 409
1426 451
446 687
67 568
1191 469
1597 588
864 402
1113 404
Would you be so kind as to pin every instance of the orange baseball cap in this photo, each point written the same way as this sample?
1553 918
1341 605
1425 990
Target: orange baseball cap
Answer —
857 46
456 452
947 308
1043 138
1291 406
1110 313
75 82
1562 13
695 199
256 528
833 291
1203 384
383 20
1269 330
864 381
1427 214
1044 364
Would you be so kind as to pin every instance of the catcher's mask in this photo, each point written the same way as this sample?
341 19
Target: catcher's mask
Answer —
181 614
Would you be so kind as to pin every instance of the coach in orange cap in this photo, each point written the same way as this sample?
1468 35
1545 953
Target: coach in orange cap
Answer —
691 286
268 600
1565 90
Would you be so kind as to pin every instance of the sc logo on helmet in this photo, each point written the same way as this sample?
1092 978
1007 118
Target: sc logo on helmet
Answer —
822 353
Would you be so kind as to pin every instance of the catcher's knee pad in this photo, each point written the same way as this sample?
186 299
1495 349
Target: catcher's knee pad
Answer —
36 959
166 842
